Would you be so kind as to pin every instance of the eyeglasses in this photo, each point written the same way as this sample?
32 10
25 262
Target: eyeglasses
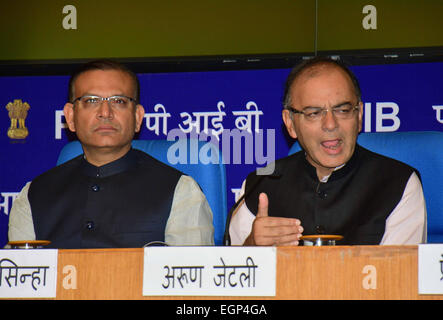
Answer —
116 102
343 111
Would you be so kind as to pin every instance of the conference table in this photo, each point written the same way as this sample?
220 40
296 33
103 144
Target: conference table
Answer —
305 273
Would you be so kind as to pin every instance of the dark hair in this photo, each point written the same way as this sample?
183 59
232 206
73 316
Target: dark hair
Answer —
316 61
102 65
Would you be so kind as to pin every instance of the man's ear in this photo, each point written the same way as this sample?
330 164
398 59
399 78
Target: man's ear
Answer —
360 116
68 111
289 123
139 114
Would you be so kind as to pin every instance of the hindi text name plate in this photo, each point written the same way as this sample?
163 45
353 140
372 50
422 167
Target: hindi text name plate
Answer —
430 269
28 273
209 271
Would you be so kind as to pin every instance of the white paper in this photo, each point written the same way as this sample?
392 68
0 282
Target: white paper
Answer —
28 273
430 269
209 271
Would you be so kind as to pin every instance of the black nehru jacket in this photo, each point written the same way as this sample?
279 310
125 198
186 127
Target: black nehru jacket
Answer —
125 203
355 201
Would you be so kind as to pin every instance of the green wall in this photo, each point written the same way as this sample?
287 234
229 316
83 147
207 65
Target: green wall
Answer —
33 29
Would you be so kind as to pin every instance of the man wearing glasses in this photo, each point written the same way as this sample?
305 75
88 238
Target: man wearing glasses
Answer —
333 186
113 195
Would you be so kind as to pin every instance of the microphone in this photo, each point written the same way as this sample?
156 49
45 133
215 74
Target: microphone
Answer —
227 238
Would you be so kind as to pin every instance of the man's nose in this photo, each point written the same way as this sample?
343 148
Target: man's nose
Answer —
329 122
105 110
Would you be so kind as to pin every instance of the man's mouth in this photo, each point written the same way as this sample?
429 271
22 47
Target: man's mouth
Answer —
332 146
105 128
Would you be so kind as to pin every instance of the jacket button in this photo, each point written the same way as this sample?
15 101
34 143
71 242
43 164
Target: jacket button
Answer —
90 225
320 229
322 194
95 188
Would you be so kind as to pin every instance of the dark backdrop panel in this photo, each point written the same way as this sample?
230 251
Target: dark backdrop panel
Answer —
398 97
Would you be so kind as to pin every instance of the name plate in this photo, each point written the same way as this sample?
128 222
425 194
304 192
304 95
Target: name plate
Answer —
209 271
430 269
28 273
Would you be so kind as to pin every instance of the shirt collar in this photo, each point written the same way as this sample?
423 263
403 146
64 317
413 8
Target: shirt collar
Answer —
326 178
338 172
117 166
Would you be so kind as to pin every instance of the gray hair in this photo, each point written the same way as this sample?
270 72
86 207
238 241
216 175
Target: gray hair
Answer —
310 63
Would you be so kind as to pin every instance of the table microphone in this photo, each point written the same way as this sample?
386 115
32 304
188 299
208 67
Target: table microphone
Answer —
227 237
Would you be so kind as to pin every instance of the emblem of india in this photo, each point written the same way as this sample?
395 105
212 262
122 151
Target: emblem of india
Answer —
18 111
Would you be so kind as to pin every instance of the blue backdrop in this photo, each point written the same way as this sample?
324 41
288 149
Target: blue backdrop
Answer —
400 97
